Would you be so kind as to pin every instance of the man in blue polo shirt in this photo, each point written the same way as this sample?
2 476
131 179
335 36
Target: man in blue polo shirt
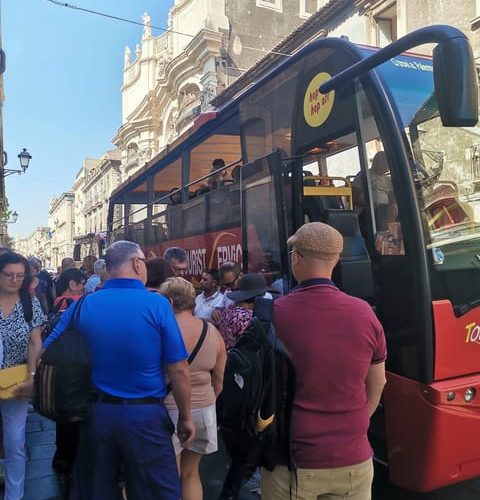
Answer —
134 339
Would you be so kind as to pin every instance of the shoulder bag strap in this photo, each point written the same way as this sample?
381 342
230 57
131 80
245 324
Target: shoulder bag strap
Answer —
76 312
199 344
195 351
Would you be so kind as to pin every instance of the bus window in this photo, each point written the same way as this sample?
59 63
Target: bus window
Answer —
136 229
166 207
388 234
214 201
261 249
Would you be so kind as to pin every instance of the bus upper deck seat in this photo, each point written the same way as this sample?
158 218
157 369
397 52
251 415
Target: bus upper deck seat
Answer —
315 207
353 273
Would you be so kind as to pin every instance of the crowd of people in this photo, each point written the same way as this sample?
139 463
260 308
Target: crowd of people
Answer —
159 350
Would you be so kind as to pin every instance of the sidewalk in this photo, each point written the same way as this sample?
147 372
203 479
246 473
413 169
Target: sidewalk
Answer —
42 483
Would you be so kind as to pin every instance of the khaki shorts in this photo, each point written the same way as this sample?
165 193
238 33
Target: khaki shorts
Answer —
353 482
205 441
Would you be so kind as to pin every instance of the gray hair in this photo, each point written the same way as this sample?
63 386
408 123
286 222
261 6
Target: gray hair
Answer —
120 252
99 266
176 253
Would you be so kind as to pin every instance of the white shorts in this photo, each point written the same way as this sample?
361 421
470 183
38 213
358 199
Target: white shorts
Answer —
205 441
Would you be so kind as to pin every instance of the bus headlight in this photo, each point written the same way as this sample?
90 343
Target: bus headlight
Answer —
470 394
450 395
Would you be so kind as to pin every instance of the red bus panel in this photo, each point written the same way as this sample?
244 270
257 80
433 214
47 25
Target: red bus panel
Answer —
432 432
457 341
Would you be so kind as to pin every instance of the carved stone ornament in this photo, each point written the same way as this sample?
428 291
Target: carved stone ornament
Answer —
208 93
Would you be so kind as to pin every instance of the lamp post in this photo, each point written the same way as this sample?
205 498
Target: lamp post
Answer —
24 157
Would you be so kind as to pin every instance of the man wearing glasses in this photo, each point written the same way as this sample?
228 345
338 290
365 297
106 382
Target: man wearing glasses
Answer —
229 276
338 348
134 339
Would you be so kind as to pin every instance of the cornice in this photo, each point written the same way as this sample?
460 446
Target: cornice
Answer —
103 169
131 129
207 43
68 196
179 7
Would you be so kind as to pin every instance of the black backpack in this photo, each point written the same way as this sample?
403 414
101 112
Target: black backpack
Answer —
63 377
254 407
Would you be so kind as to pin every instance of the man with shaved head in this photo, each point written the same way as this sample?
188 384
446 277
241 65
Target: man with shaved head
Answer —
338 348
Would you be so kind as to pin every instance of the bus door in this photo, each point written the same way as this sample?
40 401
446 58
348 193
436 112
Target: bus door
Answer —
263 220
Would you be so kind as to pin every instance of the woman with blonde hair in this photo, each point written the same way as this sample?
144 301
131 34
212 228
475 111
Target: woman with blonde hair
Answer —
206 381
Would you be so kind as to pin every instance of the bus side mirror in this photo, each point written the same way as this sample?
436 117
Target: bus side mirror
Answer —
456 85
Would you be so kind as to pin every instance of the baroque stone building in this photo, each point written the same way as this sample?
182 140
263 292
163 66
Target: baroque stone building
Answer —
171 78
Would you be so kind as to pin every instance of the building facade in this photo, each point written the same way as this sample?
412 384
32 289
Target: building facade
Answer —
37 244
93 186
61 221
170 79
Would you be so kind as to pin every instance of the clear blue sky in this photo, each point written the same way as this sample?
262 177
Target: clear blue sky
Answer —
62 91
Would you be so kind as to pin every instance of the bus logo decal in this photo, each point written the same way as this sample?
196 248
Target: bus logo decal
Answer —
473 333
317 106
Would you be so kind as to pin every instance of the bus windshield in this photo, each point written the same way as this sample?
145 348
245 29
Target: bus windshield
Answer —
447 172
446 169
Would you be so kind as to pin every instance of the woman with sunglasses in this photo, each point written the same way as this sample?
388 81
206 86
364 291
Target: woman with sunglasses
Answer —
21 318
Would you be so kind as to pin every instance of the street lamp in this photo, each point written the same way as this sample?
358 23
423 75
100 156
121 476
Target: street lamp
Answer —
24 156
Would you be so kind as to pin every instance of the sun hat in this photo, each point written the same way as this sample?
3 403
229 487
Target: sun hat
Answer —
251 285
318 241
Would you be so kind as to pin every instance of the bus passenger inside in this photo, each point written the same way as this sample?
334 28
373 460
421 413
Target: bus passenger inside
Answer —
382 192
214 181
175 196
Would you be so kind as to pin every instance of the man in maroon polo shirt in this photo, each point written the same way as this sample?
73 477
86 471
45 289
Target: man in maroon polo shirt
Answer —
338 348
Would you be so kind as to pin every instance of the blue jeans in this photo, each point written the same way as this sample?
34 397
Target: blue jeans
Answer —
137 437
14 415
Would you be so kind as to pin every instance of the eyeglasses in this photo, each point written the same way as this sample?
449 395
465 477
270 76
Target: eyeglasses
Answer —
231 282
294 250
13 276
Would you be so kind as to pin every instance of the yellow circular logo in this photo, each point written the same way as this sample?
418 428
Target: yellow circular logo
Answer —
317 106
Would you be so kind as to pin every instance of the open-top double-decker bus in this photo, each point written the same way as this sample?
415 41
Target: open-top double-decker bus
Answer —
297 147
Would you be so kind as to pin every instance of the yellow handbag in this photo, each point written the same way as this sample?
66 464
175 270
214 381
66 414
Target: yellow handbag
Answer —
10 377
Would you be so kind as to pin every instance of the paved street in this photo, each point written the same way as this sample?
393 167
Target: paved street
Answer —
42 483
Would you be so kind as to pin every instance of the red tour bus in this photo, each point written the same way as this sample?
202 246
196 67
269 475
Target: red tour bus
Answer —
297 147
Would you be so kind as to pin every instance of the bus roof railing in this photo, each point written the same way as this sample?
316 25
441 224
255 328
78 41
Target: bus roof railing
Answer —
180 189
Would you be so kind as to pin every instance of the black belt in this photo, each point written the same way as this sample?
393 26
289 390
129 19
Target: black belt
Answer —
115 400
